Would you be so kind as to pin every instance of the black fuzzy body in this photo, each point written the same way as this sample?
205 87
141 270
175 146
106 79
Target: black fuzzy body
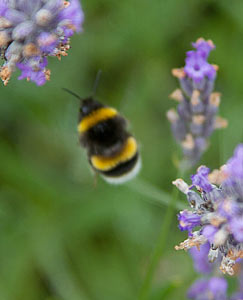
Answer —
106 138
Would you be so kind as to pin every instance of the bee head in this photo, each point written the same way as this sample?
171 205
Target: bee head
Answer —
88 105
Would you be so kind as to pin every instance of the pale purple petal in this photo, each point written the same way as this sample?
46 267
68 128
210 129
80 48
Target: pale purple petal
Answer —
213 289
188 220
201 179
47 42
209 232
36 74
200 258
218 287
235 164
203 47
198 287
74 14
236 227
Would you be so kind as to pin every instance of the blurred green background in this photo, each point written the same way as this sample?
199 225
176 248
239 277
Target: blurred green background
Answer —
60 236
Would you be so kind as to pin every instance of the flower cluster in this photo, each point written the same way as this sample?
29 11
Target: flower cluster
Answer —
196 116
32 30
214 224
217 211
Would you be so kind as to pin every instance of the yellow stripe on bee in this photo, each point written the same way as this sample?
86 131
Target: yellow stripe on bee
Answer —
103 163
95 117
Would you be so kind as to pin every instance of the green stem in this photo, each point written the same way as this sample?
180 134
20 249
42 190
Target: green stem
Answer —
153 194
160 246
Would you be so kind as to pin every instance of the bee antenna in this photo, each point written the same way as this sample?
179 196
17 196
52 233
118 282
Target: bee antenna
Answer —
96 83
72 93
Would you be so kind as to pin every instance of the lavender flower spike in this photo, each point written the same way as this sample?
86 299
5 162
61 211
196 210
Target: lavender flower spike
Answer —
196 116
218 204
30 31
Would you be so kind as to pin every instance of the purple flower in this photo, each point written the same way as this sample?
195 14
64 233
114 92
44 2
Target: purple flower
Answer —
188 220
201 179
220 207
213 289
218 287
197 67
203 47
196 116
3 8
209 232
220 232
234 165
34 72
200 258
40 28
47 42
236 227
73 14
228 209
198 287
237 296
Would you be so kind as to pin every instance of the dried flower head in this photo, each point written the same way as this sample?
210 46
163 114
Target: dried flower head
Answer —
196 115
32 30
217 212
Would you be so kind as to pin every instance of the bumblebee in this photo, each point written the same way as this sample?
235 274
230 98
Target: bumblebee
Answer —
112 151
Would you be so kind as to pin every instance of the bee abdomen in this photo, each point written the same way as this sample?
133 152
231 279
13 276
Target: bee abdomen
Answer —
104 163
124 171
121 167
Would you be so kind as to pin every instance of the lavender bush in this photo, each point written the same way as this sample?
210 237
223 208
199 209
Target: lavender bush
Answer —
30 31
196 116
214 223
